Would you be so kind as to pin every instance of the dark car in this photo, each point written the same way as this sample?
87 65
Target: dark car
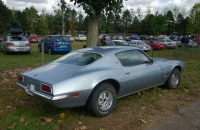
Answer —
55 44
146 37
134 37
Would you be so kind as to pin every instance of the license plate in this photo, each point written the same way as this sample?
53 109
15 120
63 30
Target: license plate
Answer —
32 87
63 46
19 49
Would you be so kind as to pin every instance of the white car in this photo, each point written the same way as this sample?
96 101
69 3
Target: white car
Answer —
140 44
80 37
71 38
121 42
168 43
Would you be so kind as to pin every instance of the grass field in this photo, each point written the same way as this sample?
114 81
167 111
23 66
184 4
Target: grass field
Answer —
21 112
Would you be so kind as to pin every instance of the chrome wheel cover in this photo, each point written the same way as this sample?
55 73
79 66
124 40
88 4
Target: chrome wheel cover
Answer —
175 79
105 100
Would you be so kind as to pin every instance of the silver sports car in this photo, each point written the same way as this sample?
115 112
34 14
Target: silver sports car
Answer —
96 77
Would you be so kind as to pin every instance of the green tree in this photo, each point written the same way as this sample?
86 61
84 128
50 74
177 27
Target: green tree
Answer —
194 23
42 26
126 20
31 15
94 9
14 22
158 23
5 14
170 22
80 22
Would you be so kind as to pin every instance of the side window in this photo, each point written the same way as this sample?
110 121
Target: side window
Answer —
132 58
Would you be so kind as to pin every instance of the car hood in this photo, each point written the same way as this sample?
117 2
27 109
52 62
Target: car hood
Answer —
50 72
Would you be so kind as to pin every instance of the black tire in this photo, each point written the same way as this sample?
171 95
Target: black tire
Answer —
174 79
102 100
49 51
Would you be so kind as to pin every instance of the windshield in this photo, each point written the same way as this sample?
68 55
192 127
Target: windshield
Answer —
78 58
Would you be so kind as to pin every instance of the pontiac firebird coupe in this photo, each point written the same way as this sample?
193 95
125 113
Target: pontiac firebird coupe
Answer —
96 77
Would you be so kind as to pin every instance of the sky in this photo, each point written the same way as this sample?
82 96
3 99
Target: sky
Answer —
154 5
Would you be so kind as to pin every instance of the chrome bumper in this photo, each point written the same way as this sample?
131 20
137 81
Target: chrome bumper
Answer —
54 99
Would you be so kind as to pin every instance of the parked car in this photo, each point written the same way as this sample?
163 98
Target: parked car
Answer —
155 45
146 37
80 37
15 43
121 42
140 44
173 37
33 38
97 77
55 44
106 36
108 43
192 44
168 43
179 41
134 37
71 38
162 37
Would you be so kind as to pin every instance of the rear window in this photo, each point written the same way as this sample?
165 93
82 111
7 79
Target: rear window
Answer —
62 39
78 58
16 38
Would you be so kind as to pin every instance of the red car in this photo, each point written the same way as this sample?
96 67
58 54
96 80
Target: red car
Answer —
33 38
155 45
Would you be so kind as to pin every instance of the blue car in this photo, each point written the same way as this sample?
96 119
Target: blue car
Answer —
55 44
134 37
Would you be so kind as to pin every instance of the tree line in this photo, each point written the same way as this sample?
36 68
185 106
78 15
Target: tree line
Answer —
133 21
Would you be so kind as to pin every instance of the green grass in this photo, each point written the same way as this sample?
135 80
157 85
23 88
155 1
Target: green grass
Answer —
16 104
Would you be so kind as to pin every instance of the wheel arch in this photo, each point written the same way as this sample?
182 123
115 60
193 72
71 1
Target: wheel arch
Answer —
113 82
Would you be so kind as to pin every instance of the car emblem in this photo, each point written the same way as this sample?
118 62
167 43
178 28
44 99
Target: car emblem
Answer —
35 75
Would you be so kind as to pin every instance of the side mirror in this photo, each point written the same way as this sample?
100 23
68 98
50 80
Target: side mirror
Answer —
151 61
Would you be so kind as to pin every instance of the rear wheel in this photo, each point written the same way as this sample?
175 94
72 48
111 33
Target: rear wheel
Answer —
174 79
102 100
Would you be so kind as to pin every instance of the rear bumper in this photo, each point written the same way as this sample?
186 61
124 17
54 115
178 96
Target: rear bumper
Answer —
53 100
18 49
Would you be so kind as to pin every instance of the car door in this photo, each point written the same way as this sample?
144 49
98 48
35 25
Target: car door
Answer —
47 43
139 71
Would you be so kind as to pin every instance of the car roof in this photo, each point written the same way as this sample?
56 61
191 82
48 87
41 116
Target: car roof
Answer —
107 50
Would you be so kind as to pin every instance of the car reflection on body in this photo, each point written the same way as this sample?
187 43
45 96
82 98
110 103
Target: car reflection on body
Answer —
96 77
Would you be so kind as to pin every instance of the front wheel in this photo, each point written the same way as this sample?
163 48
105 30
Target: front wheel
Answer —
102 100
174 79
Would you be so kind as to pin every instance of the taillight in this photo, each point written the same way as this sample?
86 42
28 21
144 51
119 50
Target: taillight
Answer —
28 44
45 88
10 44
70 45
54 45
76 94
21 78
